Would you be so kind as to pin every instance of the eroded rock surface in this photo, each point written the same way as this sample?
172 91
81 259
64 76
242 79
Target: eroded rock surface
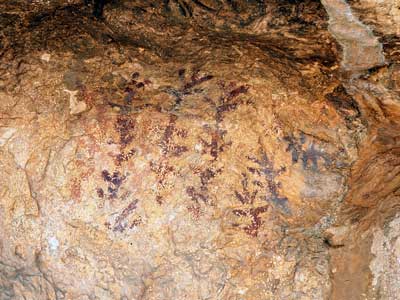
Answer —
198 150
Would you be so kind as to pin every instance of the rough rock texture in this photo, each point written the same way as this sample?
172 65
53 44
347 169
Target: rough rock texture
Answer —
200 150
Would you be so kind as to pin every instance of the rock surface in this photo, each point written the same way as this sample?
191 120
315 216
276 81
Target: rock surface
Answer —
200 150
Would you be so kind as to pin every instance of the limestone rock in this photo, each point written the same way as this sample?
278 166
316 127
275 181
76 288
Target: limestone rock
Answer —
199 150
336 236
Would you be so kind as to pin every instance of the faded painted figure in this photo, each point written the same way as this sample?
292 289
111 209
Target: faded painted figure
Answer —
98 6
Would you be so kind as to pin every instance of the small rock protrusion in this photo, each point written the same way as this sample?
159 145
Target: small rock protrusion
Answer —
336 236
76 107
45 57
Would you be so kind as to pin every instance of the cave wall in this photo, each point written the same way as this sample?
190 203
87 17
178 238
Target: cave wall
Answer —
199 150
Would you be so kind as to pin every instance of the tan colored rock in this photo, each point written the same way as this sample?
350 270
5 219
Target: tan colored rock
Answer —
361 49
385 265
336 236
75 107
207 160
